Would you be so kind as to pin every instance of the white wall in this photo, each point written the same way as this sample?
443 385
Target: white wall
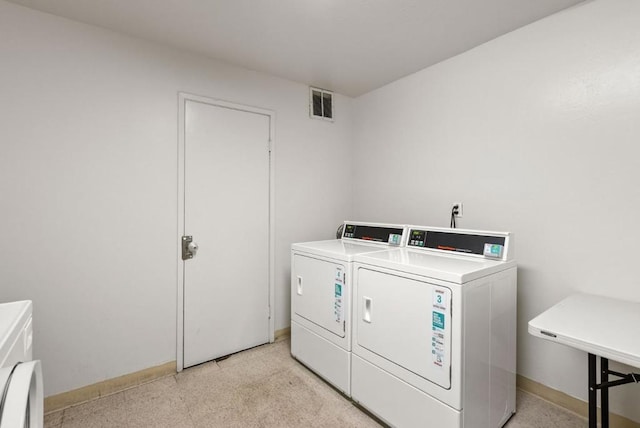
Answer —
88 186
538 133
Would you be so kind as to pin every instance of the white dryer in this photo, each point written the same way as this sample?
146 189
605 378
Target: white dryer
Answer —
434 330
321 281
21 393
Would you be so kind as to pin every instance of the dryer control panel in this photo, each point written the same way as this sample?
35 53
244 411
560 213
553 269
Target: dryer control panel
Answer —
491 245
373 232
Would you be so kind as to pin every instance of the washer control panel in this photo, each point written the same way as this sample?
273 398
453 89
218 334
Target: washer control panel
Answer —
417 238
387 234
491 245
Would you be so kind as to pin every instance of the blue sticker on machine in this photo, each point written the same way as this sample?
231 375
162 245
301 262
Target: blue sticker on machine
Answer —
337 306
438 319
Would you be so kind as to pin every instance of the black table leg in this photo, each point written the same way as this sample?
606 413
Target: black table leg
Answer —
604 392
593 397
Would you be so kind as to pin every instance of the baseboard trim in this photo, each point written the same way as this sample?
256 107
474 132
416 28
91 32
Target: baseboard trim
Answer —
74 397
568 402
282 334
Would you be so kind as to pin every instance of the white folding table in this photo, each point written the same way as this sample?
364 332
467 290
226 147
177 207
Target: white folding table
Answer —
603 327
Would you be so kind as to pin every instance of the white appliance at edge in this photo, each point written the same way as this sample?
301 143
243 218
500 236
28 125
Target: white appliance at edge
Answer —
321 296
21 394
434 330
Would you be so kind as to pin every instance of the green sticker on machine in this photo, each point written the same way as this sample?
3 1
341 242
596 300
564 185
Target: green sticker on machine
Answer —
438 320
338 290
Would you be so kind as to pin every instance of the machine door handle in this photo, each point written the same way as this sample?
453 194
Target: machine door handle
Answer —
299 278
366 313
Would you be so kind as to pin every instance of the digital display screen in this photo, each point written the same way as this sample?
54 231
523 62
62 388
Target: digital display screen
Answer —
417 238
461 243
370 233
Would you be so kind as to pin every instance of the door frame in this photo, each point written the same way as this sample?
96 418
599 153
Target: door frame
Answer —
183 97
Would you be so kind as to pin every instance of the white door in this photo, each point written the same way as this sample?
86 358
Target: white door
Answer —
226 211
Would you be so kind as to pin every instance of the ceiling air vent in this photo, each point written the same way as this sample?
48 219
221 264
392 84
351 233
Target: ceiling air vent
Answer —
320 104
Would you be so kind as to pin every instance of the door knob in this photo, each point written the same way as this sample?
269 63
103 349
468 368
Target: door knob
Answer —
189 248
193 248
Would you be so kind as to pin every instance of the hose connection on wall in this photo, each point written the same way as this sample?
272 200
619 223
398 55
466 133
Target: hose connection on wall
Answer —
456 211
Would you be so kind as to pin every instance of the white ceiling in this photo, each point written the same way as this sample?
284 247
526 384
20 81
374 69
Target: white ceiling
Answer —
348 46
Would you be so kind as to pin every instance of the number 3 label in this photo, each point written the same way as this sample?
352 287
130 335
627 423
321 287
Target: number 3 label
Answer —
439 299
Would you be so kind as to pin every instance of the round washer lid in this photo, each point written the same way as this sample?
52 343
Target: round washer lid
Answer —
22 405
5 376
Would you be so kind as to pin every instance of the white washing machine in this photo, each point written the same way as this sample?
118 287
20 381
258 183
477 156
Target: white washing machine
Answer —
21 393
434 330
321 278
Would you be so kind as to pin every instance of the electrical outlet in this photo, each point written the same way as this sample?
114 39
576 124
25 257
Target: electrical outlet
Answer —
459 204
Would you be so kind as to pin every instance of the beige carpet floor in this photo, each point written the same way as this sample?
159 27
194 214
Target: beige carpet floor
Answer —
261 387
